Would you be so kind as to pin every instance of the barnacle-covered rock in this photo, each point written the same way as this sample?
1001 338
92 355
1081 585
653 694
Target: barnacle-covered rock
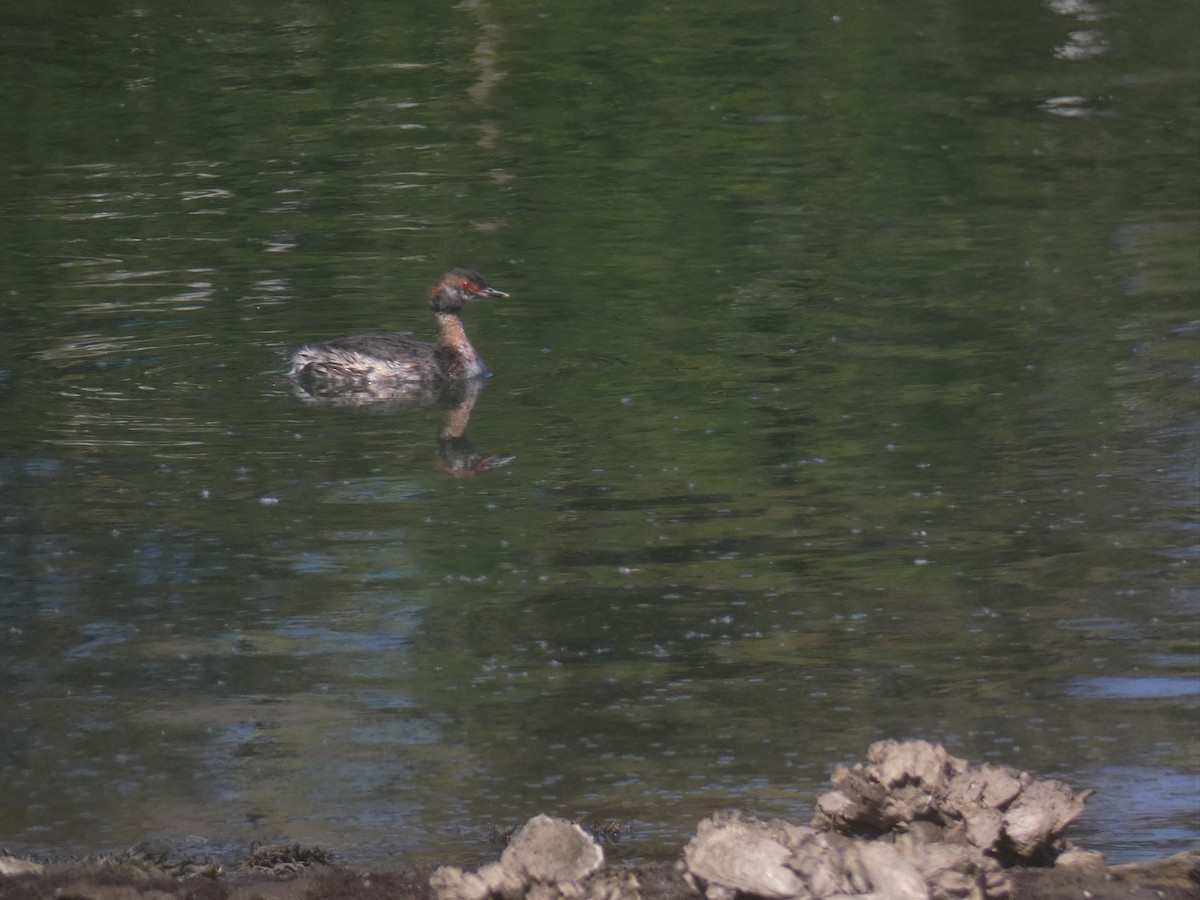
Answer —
1001 811
547 859
733 853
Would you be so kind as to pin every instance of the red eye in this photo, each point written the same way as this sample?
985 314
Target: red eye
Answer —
466 285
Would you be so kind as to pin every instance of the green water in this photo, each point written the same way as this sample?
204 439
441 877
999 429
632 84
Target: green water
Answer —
850 369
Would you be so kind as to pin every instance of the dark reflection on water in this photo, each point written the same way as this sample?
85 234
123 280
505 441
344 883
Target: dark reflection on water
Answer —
847 391
456 454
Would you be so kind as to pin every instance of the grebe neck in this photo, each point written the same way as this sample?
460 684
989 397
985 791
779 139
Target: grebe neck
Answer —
451 334
454 347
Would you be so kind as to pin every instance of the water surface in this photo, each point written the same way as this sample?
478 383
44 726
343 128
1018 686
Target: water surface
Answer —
850 372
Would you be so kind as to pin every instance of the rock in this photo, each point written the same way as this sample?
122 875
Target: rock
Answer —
552 850
984 828
12 865
548 859
856 803
897 763
1180 870
996 809
1088 863
736 855
1039 815
86 890
453 883
974 790
956 871
492 880
877 869
733 853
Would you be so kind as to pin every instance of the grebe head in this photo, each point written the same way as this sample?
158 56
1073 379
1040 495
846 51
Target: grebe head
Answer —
458 287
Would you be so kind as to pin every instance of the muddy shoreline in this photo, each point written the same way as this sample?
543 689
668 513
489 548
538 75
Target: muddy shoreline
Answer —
911 822
135 875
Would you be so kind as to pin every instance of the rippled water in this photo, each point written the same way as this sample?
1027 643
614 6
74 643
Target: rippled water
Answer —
850 376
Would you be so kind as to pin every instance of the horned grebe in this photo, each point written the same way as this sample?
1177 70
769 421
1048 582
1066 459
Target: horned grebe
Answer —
398 358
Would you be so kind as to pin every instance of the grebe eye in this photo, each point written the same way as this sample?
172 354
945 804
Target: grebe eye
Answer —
466 285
